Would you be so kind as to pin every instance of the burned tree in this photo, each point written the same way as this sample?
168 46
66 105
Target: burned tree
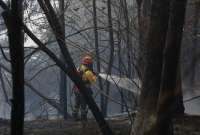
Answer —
13 21
153 51
63 77
170 98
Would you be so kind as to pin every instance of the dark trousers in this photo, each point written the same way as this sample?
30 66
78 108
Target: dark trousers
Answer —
81 105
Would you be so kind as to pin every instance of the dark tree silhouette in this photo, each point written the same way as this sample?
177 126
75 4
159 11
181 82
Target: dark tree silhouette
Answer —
63 77
13 21
111 57
153 51
170 99
97 53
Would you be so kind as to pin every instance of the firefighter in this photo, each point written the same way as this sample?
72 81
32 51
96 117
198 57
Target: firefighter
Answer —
88 76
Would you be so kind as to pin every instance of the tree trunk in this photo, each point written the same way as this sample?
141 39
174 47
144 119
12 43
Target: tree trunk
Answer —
16 41
120 58
146 116
170 99
111 58
129 48
102 99
128 39
3 87
144 10
63 77
194 60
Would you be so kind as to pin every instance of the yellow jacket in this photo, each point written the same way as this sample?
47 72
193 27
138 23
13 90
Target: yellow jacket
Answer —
87 74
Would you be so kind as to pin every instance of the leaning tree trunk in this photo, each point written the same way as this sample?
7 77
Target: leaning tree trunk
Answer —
70 68
170 99
146 116
16 41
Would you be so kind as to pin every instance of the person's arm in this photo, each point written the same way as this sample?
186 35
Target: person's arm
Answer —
90 76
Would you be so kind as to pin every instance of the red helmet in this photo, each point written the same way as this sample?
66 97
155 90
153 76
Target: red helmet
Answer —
87 60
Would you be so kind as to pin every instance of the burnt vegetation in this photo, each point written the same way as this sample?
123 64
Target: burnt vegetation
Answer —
145 57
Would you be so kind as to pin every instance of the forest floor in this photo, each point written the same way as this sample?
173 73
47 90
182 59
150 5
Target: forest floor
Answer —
120 126
187 125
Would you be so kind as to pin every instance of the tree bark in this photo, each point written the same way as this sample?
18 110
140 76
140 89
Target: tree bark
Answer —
129 50
128 39
16 42
102 99
4 87
146 116
63 77
144 10
111 58
170 98
194 60
120 57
